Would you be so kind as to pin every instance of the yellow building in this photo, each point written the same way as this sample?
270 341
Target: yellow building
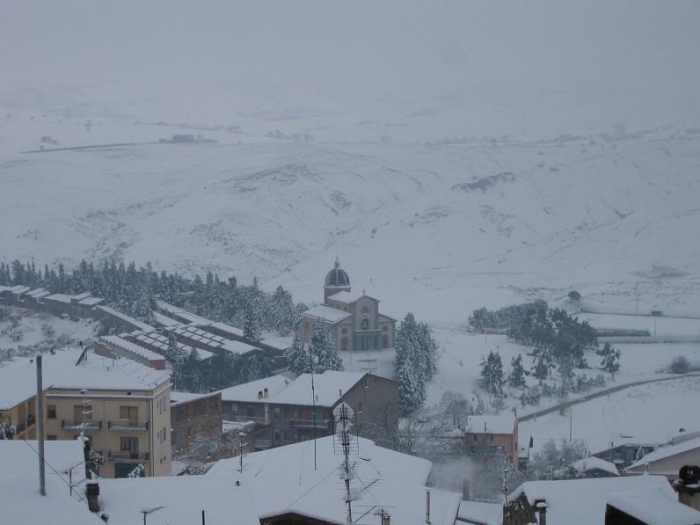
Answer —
122 406
353 319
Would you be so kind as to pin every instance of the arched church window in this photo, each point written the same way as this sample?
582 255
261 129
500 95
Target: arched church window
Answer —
365 311
365 324
343 330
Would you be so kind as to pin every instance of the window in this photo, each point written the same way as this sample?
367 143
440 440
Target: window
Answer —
490 437
129 444
344 344
51 437
365 324
344 331
277 412
129 413
80 411
51 412
250 412
365 311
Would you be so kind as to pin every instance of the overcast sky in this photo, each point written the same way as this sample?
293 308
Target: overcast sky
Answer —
635 61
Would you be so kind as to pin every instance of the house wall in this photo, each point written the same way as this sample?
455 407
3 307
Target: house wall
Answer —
670 466
508 442
150 429
23 417
199 417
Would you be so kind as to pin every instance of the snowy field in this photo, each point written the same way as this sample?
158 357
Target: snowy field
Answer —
644 414
33 328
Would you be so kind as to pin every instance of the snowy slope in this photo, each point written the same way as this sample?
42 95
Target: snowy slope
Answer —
518 220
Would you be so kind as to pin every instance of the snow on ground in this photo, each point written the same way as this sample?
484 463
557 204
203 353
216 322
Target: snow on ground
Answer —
31 325
650 413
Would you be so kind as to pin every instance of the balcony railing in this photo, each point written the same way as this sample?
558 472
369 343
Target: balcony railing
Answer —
125 456
128 426
309 423
88 426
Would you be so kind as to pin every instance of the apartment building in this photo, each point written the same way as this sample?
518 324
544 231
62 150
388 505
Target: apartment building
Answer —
121 406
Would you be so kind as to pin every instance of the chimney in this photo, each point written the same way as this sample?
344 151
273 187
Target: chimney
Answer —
385 517
260 394
688 486
427 506
465 490
541 506
92 491
267 393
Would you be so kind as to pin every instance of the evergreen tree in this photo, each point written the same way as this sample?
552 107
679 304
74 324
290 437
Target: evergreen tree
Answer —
298 359
251 326
610 359
412 367
540 368
256 366
491 375
323 349
516 378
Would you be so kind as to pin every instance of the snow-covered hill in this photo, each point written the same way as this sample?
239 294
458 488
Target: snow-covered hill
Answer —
439 229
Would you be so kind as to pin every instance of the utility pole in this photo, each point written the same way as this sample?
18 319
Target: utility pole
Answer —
40 421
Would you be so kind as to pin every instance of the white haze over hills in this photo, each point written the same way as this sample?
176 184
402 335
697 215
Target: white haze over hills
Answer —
509 210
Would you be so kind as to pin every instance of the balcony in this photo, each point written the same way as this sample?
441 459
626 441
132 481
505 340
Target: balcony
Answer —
88 426
127 457
124 425
309 423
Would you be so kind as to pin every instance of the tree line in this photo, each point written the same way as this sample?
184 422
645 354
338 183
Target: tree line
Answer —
133 291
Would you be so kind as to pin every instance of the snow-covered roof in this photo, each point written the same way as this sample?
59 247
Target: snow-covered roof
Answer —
248 392
58 297
666 451
178 398
582 501
655 507
491 424
131 347
329 387
176 500
213 341
92 301
332 315
188 317
111 311
278 342
164 320
37 292
19 484
18 377
232 330
592 462
481 512
348 297
19 289
382 478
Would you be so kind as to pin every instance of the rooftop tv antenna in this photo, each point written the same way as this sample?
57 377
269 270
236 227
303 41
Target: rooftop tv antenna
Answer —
343 428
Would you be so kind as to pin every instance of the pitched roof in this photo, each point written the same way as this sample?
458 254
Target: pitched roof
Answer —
329 387
19 484
583 501
382 478
332 315
667 451
248 392
18 377
592 462
349 297
176 500
491 424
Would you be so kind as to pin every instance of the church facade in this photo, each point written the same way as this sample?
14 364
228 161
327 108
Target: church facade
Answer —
353 319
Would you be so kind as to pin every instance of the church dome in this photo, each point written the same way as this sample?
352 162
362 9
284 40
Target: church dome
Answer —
337 276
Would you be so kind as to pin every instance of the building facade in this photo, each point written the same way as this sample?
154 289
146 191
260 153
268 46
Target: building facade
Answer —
353 319
120 406
283 413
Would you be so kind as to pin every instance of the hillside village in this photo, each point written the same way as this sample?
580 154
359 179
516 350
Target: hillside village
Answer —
349 263
115 398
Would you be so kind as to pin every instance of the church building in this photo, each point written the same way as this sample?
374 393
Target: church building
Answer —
353 319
